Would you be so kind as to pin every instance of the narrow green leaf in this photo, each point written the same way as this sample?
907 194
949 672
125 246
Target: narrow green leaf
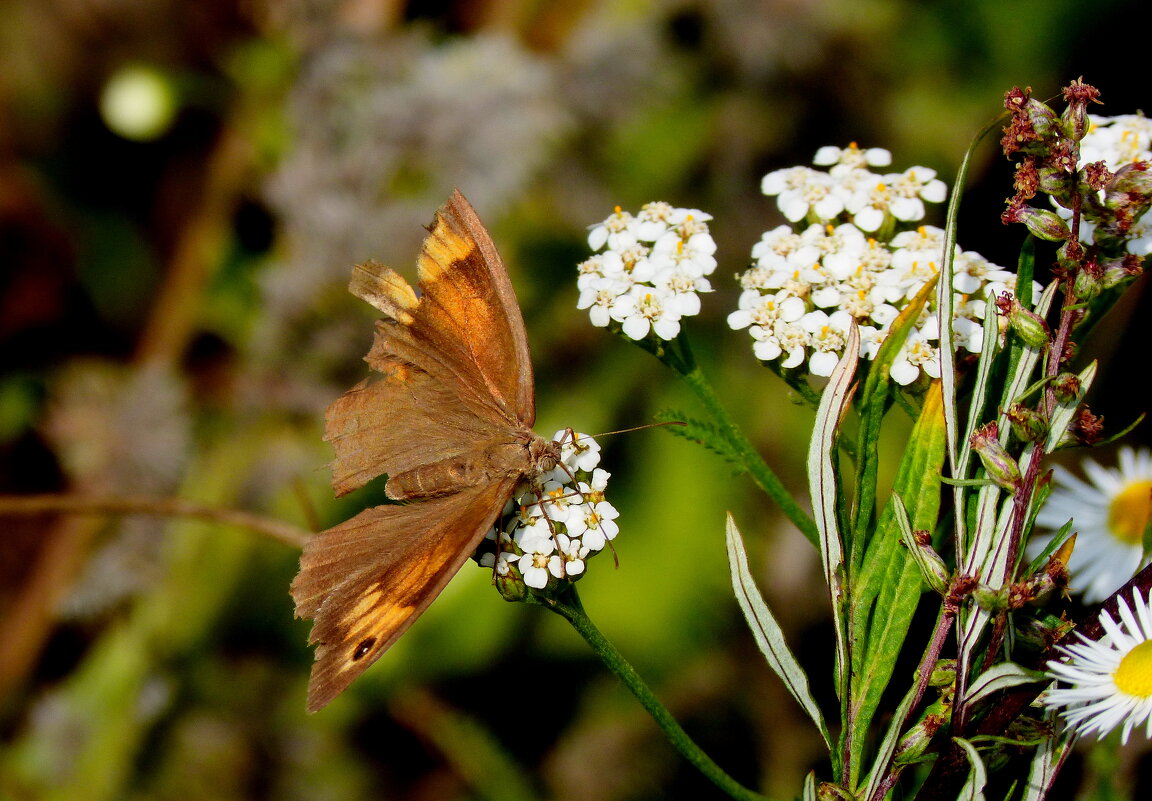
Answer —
828 514
809 793
1062 416
769 636
873 404
822 483
887 747
1047 761
1002 677
888 587
973 789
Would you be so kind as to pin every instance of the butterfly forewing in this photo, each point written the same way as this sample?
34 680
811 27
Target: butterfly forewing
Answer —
467 291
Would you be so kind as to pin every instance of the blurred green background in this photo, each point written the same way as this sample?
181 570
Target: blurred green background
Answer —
184 187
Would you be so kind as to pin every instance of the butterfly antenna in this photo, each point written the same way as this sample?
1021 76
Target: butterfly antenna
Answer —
639 428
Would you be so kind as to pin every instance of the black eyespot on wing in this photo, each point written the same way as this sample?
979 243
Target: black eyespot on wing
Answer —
363 648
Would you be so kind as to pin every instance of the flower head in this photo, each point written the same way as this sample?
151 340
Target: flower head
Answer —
1110 513
1111 678
649 270
555 522
833 268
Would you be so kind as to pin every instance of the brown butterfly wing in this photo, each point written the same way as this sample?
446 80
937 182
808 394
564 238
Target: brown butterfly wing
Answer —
453 363
366 580
448 416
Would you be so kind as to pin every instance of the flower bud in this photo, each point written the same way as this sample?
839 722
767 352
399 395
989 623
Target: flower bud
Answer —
998 463
943 674
1028 325
1088 282
932 567
1075 118
991 600
1121 271
1028 424
511 585
1044 224
1066 386
914 744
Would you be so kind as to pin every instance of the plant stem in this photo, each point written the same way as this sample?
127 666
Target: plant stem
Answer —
750 458
118 506
569 607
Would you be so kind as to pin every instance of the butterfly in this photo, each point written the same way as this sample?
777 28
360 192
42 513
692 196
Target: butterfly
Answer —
447 414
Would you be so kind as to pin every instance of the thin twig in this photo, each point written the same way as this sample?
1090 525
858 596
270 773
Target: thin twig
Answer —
160 507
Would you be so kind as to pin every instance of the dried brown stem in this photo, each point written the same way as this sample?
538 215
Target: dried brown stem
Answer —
160 507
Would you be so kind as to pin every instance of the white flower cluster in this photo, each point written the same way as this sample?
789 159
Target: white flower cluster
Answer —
549 529
1117 141
651 268
810 283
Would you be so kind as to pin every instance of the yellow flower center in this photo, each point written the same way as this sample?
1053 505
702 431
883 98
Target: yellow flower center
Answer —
1134 676
1129 512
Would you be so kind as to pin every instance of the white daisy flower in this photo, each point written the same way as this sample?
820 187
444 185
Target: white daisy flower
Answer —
1111 678
839 266
597 525
1109 514
911 188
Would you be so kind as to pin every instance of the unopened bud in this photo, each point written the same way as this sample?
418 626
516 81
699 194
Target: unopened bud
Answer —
1047 225
1078 95
1121 271
998 463
990 599
1028 325
1066 386
943 673
932 567
1028 424
511 585
1088 282
914 744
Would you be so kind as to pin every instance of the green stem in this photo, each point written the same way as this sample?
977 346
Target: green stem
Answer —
569 607
685 364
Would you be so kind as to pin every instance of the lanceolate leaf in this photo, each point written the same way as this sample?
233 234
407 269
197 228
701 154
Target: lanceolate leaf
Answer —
823 486
1047 761
888 586
1002 677
829 517
767 631
973 789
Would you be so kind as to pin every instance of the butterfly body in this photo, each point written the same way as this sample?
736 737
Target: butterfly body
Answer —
447 414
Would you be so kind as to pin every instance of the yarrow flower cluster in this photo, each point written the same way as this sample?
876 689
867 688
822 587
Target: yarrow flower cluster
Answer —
1120 142
649 269
552 526
1110 679
845 261
1109 516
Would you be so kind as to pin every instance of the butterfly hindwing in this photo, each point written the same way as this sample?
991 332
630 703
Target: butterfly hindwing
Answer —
366 580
